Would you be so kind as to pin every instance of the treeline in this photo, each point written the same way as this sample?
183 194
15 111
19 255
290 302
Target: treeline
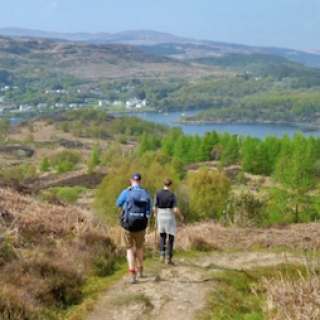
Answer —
293 165
206 93
90 123
267 65
255 155
272 106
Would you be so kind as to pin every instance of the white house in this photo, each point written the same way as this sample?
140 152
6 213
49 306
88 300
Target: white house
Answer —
135 103
73 105
59 105
25 107
117 103
132 103
62 91
5 88
103 103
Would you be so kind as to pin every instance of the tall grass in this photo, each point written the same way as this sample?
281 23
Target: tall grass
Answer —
295 298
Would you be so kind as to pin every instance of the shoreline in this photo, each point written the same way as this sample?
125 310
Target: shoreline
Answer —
312 127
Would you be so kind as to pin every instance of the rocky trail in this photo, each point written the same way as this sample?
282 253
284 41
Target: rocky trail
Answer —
177 292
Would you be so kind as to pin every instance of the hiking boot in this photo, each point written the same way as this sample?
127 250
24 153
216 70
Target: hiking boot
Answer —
140 273
170 262
132 278
162 259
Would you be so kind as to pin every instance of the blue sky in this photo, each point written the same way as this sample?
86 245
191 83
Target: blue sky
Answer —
280 23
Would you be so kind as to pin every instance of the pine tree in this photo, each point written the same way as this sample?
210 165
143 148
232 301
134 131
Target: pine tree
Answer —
95 155
285 149
230 152
213 139
189 150
249 148
273 149
194 150
144 145
154 143
261 164
180 150
45 165
168 145
204 149
297 171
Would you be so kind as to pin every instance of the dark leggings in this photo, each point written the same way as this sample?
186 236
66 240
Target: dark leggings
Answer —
163 237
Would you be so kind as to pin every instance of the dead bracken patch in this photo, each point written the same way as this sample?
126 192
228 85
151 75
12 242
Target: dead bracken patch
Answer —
47 252
294 299
34 219
217 237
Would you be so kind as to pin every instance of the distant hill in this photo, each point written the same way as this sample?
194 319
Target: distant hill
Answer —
263 65
37 57
147 37
208 49
161 43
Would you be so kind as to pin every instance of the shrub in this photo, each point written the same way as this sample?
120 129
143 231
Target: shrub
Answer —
66 156
50 282
7 253
245 210
101 250
44 165
21 172
65 166
241 178
16 304
208 191
70 194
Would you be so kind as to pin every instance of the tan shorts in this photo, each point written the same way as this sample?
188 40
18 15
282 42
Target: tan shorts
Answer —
130 238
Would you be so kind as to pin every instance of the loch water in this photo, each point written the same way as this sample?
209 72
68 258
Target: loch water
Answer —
259 130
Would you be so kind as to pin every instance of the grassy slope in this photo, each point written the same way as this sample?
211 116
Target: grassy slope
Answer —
37 58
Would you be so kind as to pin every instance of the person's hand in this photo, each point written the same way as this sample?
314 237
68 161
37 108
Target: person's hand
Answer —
181 220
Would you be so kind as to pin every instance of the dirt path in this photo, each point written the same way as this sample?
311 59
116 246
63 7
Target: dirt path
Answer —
176 292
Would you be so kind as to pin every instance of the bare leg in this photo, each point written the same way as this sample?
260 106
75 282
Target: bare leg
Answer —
130 258
139 256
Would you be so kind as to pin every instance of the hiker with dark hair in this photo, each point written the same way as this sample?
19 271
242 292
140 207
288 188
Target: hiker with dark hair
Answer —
165 209
136 206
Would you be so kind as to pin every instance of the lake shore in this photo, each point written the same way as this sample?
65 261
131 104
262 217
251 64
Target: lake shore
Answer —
302 125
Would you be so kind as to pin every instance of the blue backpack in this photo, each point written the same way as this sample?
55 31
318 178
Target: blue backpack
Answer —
137 210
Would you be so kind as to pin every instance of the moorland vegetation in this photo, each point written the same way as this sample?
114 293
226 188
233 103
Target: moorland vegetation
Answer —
235 187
